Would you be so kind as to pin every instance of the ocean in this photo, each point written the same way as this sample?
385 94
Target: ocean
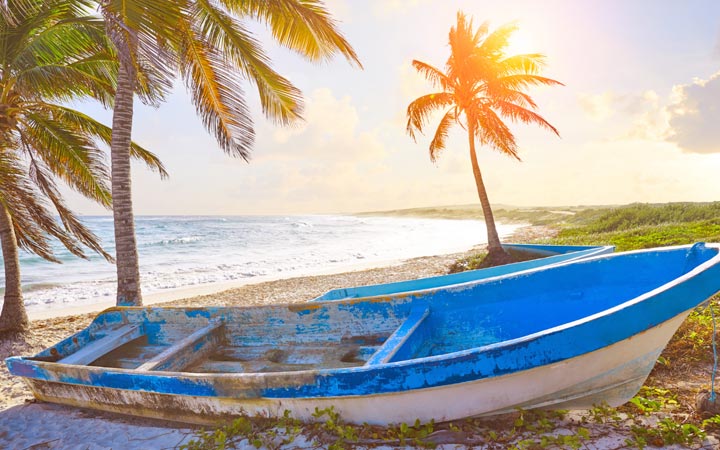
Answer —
188 251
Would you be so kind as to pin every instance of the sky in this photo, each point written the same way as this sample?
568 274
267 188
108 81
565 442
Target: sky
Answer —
639 117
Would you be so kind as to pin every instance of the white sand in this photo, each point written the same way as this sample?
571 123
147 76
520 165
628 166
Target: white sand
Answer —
47 426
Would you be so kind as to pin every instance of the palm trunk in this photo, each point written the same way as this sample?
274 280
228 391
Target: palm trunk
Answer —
128 269
494 247
13 316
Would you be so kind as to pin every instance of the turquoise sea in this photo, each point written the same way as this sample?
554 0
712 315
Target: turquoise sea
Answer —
185 251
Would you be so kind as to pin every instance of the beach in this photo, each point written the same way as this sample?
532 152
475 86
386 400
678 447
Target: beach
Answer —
27 424
46 332
21 421
187 256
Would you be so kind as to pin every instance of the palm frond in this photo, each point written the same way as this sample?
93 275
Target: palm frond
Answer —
497 41
76 120
304 26
71 223
462 40
94 78
73 157
434 75
493 131
143 34
494 91
217 97
522 81
519 114
421 108
280 100
26 209
529 63
149 18
441 134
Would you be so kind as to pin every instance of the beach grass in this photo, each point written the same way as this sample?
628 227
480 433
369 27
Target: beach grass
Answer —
627 227
642 226
663 412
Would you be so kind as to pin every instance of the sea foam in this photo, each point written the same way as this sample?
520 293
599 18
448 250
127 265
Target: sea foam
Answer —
179 252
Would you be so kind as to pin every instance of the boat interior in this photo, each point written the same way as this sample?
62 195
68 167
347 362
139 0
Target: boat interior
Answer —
361 332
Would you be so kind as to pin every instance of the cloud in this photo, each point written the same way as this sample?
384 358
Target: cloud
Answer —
688 118
598 107
694 116
329 163
329 132
603 106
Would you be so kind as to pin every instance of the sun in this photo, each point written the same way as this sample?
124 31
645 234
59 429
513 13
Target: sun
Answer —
520 42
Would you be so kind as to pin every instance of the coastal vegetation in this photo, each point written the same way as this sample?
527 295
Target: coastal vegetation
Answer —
628 227
663 413
480 88
214 54
51 53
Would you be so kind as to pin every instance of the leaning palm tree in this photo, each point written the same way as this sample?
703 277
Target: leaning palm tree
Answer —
50 52
206 43
480 87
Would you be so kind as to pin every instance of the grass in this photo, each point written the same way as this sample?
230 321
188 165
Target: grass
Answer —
663 412
683 368
642 226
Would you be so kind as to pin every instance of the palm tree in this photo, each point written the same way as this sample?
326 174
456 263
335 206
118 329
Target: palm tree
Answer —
480 87
214 54
50 52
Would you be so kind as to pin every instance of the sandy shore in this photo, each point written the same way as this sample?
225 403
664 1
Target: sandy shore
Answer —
26 424
14 395
46 332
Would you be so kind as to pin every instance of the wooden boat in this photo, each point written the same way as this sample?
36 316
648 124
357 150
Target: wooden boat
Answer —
545 255
567 336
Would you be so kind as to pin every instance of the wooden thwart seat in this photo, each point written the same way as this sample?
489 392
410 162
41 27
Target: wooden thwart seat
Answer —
100 347
384 354
186 350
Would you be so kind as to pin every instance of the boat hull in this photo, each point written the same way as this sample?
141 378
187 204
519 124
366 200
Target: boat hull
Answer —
612 375
572 335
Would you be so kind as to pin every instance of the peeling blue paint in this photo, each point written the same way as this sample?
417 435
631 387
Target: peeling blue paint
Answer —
472 331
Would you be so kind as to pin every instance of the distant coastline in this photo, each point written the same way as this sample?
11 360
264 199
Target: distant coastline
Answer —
510 214
506 214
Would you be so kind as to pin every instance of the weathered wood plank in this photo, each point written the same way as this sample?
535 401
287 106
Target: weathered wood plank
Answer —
396 340
185 351
98 348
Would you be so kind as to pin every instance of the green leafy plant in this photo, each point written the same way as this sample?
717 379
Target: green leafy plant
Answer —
604 413
667 432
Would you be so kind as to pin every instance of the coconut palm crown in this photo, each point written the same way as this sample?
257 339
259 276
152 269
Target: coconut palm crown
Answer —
208 45
50 54
479 90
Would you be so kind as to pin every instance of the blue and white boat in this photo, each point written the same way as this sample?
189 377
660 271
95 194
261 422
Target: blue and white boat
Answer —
545 255
566 336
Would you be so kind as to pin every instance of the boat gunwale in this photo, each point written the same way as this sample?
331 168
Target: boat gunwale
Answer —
465 353
586 252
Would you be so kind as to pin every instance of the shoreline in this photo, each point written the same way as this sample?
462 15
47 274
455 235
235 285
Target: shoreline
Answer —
46 331
180 260
521 233
190 292
26 420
